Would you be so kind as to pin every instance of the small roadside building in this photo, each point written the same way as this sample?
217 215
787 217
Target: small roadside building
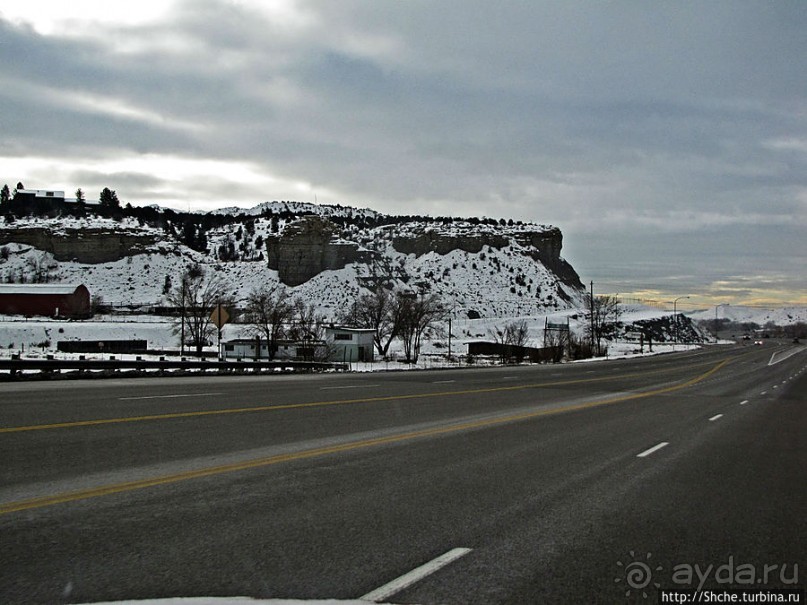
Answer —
350 344
257 349
49 300
514 352
245 348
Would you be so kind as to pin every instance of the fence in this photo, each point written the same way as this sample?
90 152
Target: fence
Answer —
112 367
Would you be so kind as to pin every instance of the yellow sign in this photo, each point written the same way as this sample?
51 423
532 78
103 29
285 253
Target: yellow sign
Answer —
219 316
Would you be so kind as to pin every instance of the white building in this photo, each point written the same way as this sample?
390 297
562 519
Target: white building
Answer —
349 344
39 194
254 348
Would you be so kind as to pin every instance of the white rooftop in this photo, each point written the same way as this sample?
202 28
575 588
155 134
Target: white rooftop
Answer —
38 288
42 192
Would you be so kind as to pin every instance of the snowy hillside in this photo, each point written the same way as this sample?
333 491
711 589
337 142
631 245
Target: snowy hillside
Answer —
299 208
502 278
757 315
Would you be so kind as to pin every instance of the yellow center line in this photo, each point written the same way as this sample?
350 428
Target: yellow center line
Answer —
128 486
293 406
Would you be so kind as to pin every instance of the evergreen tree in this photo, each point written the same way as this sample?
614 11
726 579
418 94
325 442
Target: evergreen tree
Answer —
109 199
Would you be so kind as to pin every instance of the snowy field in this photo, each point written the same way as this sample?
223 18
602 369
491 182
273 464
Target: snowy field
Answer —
38 338
781 317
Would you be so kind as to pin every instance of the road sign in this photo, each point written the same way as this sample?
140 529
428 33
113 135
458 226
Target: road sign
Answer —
219 316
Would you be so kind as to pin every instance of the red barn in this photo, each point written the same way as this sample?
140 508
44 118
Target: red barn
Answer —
51 300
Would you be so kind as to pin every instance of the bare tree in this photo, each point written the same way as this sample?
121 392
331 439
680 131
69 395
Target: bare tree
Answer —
512 339
419 313
196 297
518 335
97 304
307 327
378 310
558 341
797 330
499 337
603 316
268 309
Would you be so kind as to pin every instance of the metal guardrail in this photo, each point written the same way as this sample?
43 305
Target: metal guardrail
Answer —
113 366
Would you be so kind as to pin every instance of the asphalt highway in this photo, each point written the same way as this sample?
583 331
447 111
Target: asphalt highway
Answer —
590 483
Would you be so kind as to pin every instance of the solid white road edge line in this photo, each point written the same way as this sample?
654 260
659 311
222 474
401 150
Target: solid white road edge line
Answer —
655 448
713 418
417 574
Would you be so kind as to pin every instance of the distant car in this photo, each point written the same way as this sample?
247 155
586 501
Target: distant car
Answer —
796 340
746 337
758 342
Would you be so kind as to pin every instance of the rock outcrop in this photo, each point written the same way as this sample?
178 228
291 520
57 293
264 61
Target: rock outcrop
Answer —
432 240
544 246
307 248
91 246
311 245
328 254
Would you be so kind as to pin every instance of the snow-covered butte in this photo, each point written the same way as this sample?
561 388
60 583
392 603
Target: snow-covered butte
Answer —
325 254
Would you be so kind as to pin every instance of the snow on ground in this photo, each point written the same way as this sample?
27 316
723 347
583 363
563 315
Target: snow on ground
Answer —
64 223
781 317
465 281
37 337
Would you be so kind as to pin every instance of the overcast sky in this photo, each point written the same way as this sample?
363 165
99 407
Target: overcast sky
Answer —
668 141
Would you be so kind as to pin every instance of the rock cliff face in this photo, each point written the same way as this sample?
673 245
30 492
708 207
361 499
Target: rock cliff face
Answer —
307 248
443 243
91 246
544 246
310 246
328 254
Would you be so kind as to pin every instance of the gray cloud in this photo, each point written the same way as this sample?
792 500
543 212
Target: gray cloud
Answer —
616 121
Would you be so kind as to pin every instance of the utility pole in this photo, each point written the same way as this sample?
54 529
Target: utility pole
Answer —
675 319
449 339
592 318
218 315
182 332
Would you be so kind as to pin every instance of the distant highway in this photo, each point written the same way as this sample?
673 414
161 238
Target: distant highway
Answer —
541 484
